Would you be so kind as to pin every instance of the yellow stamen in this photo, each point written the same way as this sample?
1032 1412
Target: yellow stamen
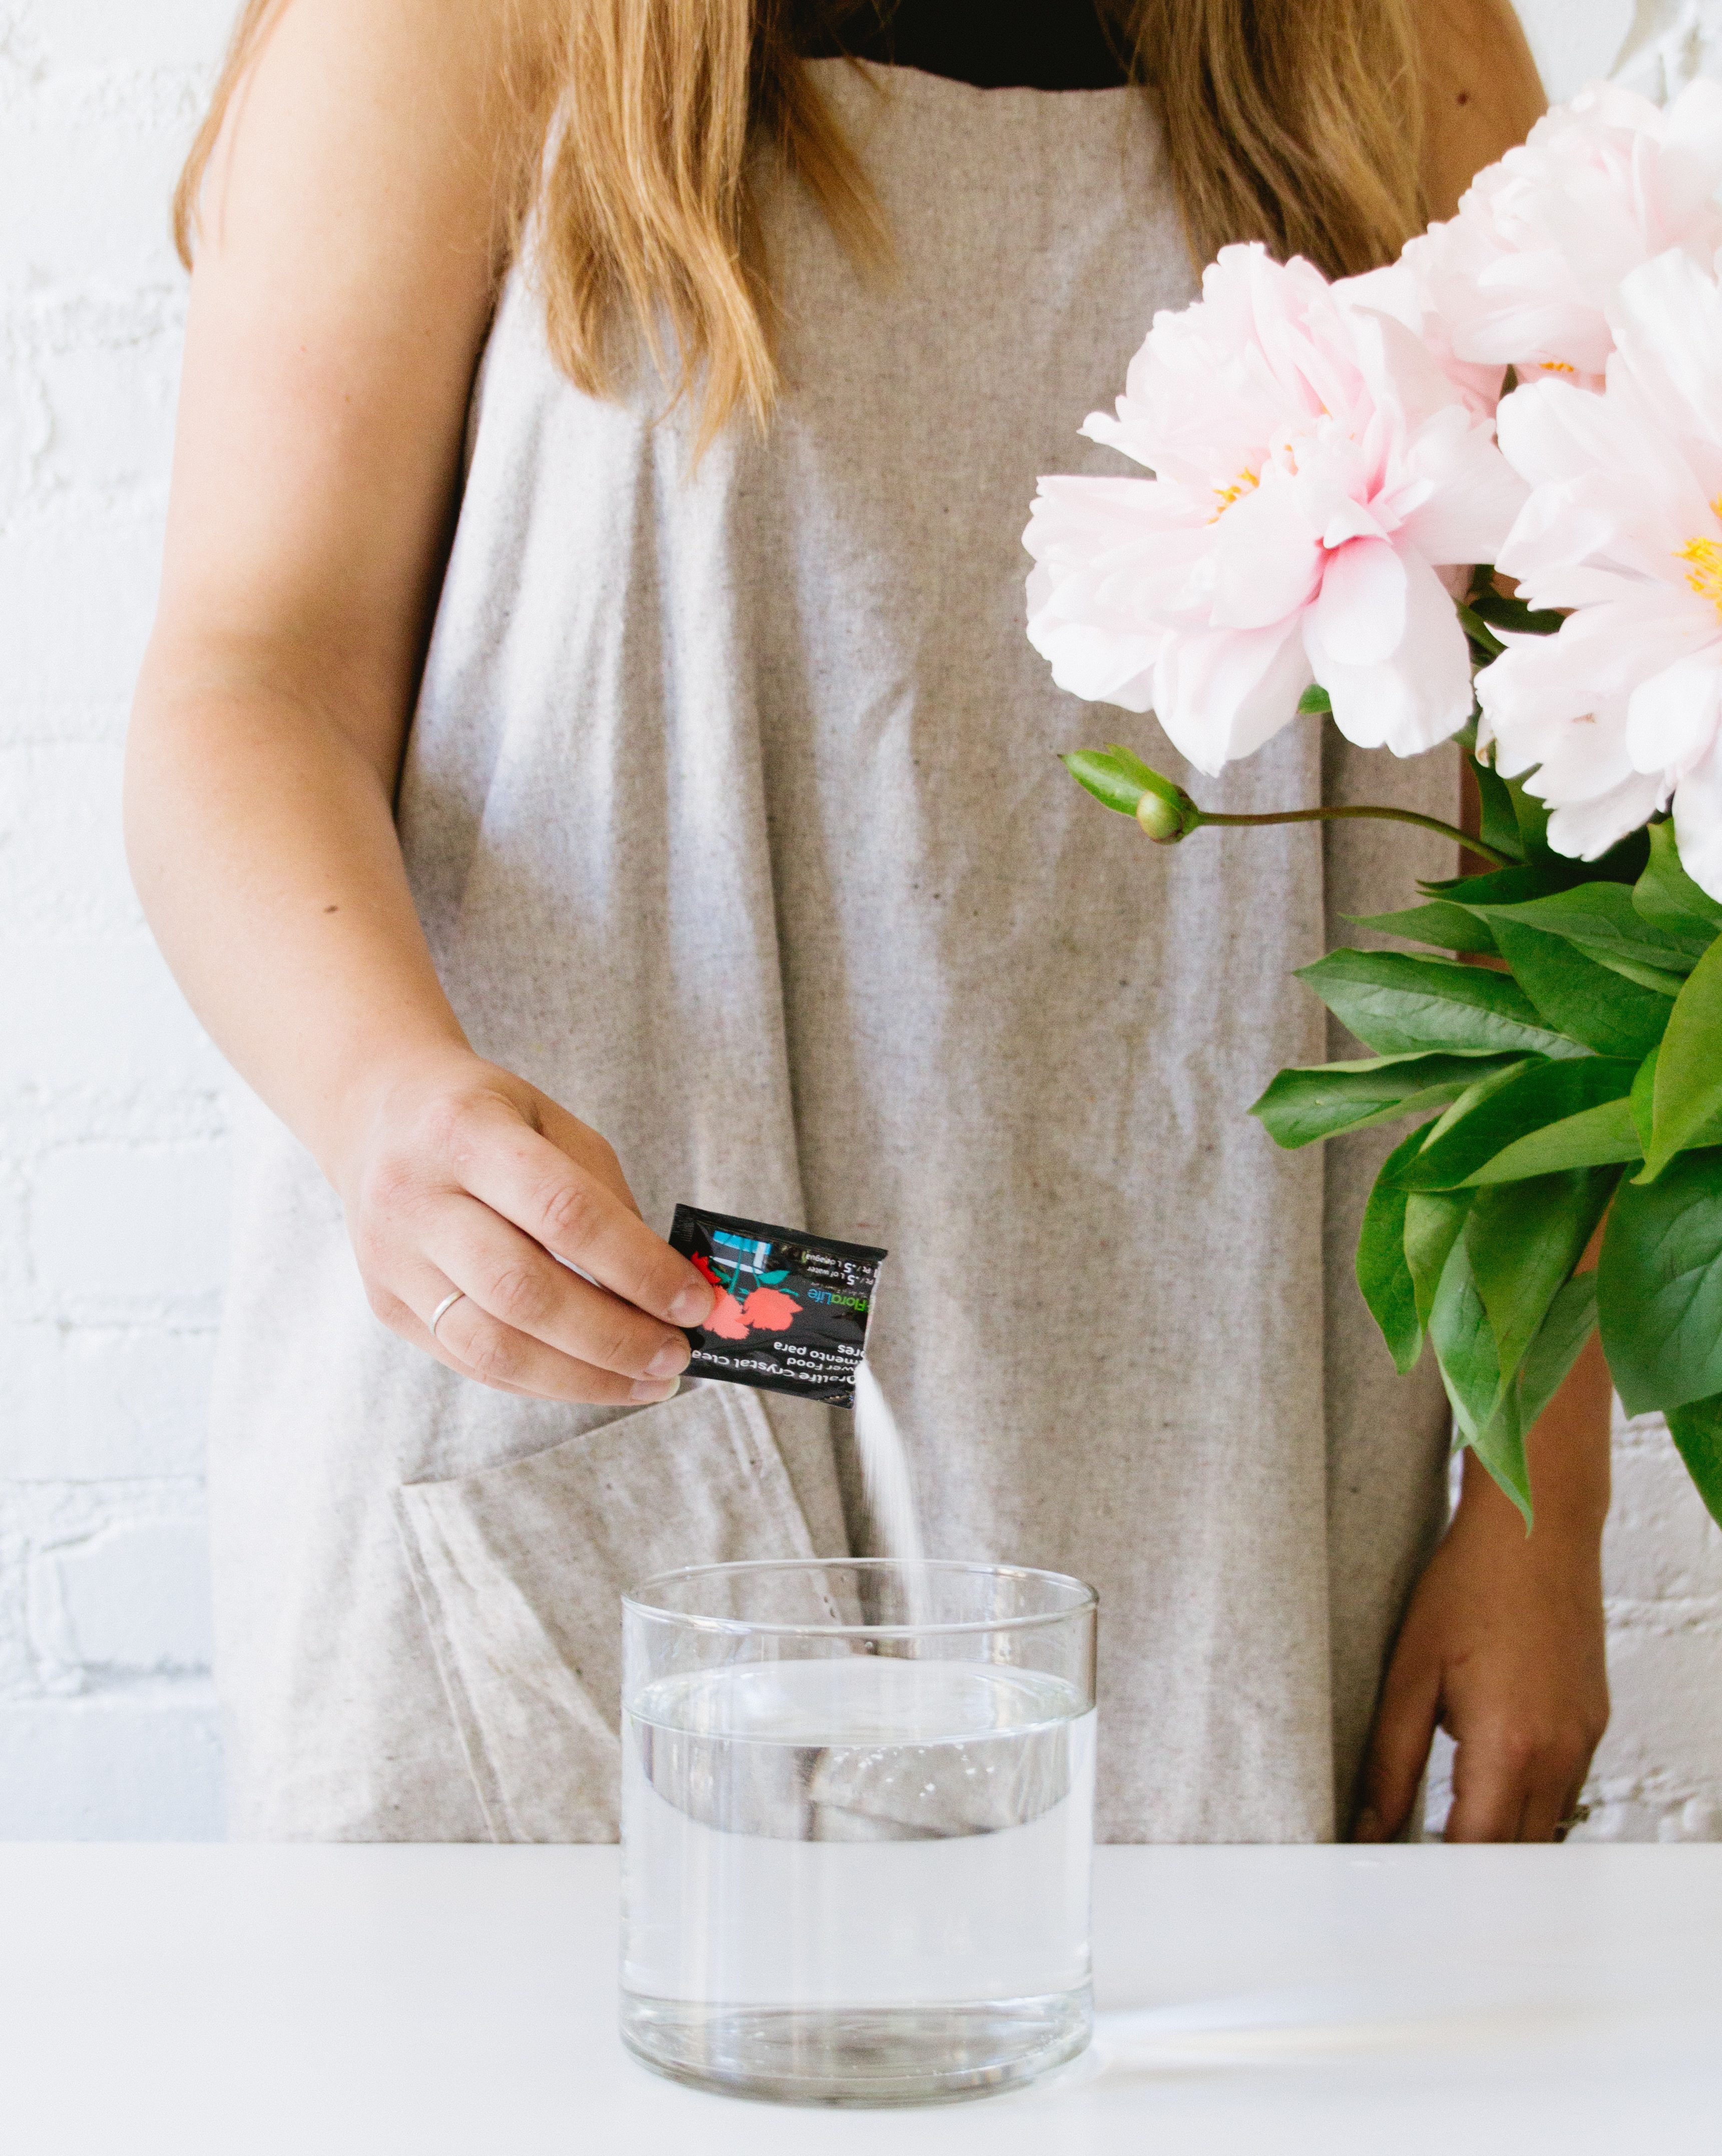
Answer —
1225 496
1557 366
1705 574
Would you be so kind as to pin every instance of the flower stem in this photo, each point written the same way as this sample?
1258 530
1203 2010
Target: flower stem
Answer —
1388 815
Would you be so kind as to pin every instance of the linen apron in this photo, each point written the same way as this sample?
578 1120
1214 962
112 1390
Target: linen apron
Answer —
731 812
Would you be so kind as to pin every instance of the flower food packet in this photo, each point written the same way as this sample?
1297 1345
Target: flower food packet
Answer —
792 1311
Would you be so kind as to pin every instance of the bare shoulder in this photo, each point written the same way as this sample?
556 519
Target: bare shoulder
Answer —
346 254
374 94
1481 89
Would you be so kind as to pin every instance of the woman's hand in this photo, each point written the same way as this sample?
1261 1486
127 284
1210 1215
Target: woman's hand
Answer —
457 1174
1503 1647
1502 1644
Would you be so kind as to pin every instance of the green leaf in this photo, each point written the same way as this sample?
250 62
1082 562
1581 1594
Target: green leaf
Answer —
1382 1272
1447 927
1659 1286
1594 1137
1523 1244
1524 1104
1559 1343
1499 1445
1697 1431
1315 702
1586 1001
1643 1096
1482 637
1110 782
1669 899
1688 1086
1302 1106
1397 1004
1502 612
1501 886
1602 920
1433 1222
1464 1345
1497 820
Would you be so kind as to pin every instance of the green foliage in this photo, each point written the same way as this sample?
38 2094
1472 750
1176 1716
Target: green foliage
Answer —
1465 1348
1398 1005
1525 1242
1669 898
1113 783
1697 1431
1534 1097
1592 1041
1594 1137
1434 1221
1560 1341
1659 1287
1498 823
1315 702
1447 927
1602 920
1687 1092
1383 1272
1302 1106
1589 1003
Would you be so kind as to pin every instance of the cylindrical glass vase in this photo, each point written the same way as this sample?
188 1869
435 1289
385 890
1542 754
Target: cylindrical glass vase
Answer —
856 1825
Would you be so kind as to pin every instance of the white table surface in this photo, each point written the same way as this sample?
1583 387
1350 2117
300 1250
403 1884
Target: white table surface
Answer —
404 2001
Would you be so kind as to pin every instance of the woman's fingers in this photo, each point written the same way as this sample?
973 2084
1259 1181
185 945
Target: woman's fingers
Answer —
473 1344
1490 1788
1399 1745
517 1297
571 1209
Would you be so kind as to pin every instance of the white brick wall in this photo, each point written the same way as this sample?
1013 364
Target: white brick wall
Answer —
110 1118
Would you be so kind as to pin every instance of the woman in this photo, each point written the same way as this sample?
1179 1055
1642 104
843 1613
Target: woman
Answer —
726 826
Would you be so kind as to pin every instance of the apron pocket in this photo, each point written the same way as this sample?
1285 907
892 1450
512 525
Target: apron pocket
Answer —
520 1569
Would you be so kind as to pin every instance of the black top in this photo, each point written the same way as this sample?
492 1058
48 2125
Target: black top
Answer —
995 45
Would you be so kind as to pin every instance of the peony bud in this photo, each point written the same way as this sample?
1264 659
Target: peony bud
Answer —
1163 820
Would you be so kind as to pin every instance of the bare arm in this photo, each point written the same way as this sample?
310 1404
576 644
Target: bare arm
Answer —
342 291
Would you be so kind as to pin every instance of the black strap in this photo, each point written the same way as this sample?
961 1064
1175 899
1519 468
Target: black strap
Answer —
995 45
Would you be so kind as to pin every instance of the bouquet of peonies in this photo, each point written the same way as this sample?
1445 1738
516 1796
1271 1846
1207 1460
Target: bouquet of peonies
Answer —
1344 475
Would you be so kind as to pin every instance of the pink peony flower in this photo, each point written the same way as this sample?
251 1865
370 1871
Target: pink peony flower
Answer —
1323 483
1621 711
1525 275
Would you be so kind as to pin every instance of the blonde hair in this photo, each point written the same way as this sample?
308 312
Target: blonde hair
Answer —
629 127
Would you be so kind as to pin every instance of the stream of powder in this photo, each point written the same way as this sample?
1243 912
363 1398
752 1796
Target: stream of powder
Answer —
884 1473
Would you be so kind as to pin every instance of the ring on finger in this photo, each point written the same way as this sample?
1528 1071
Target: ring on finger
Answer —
1575 1817
442 1309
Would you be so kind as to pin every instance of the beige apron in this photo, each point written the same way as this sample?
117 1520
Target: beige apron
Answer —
731 810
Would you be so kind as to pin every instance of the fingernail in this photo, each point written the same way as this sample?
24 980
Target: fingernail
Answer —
1369 1826
670 1360
655 1388
692 1306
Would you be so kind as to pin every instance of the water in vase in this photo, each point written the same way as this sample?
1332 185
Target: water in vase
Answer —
846 1874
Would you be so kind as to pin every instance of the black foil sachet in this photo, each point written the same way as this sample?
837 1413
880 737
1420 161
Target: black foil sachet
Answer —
791 1309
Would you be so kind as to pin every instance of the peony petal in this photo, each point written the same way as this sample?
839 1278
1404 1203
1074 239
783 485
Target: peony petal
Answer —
1359 616
1419 695
1586 830
1698 823
1667 319
1104 664
1220 695
1671 719
1474 499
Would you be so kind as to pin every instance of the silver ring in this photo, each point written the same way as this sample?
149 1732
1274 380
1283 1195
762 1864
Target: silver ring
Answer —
1575 1817
442 1309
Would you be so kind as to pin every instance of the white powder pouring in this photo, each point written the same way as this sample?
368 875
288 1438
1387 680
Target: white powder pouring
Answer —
889 1483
